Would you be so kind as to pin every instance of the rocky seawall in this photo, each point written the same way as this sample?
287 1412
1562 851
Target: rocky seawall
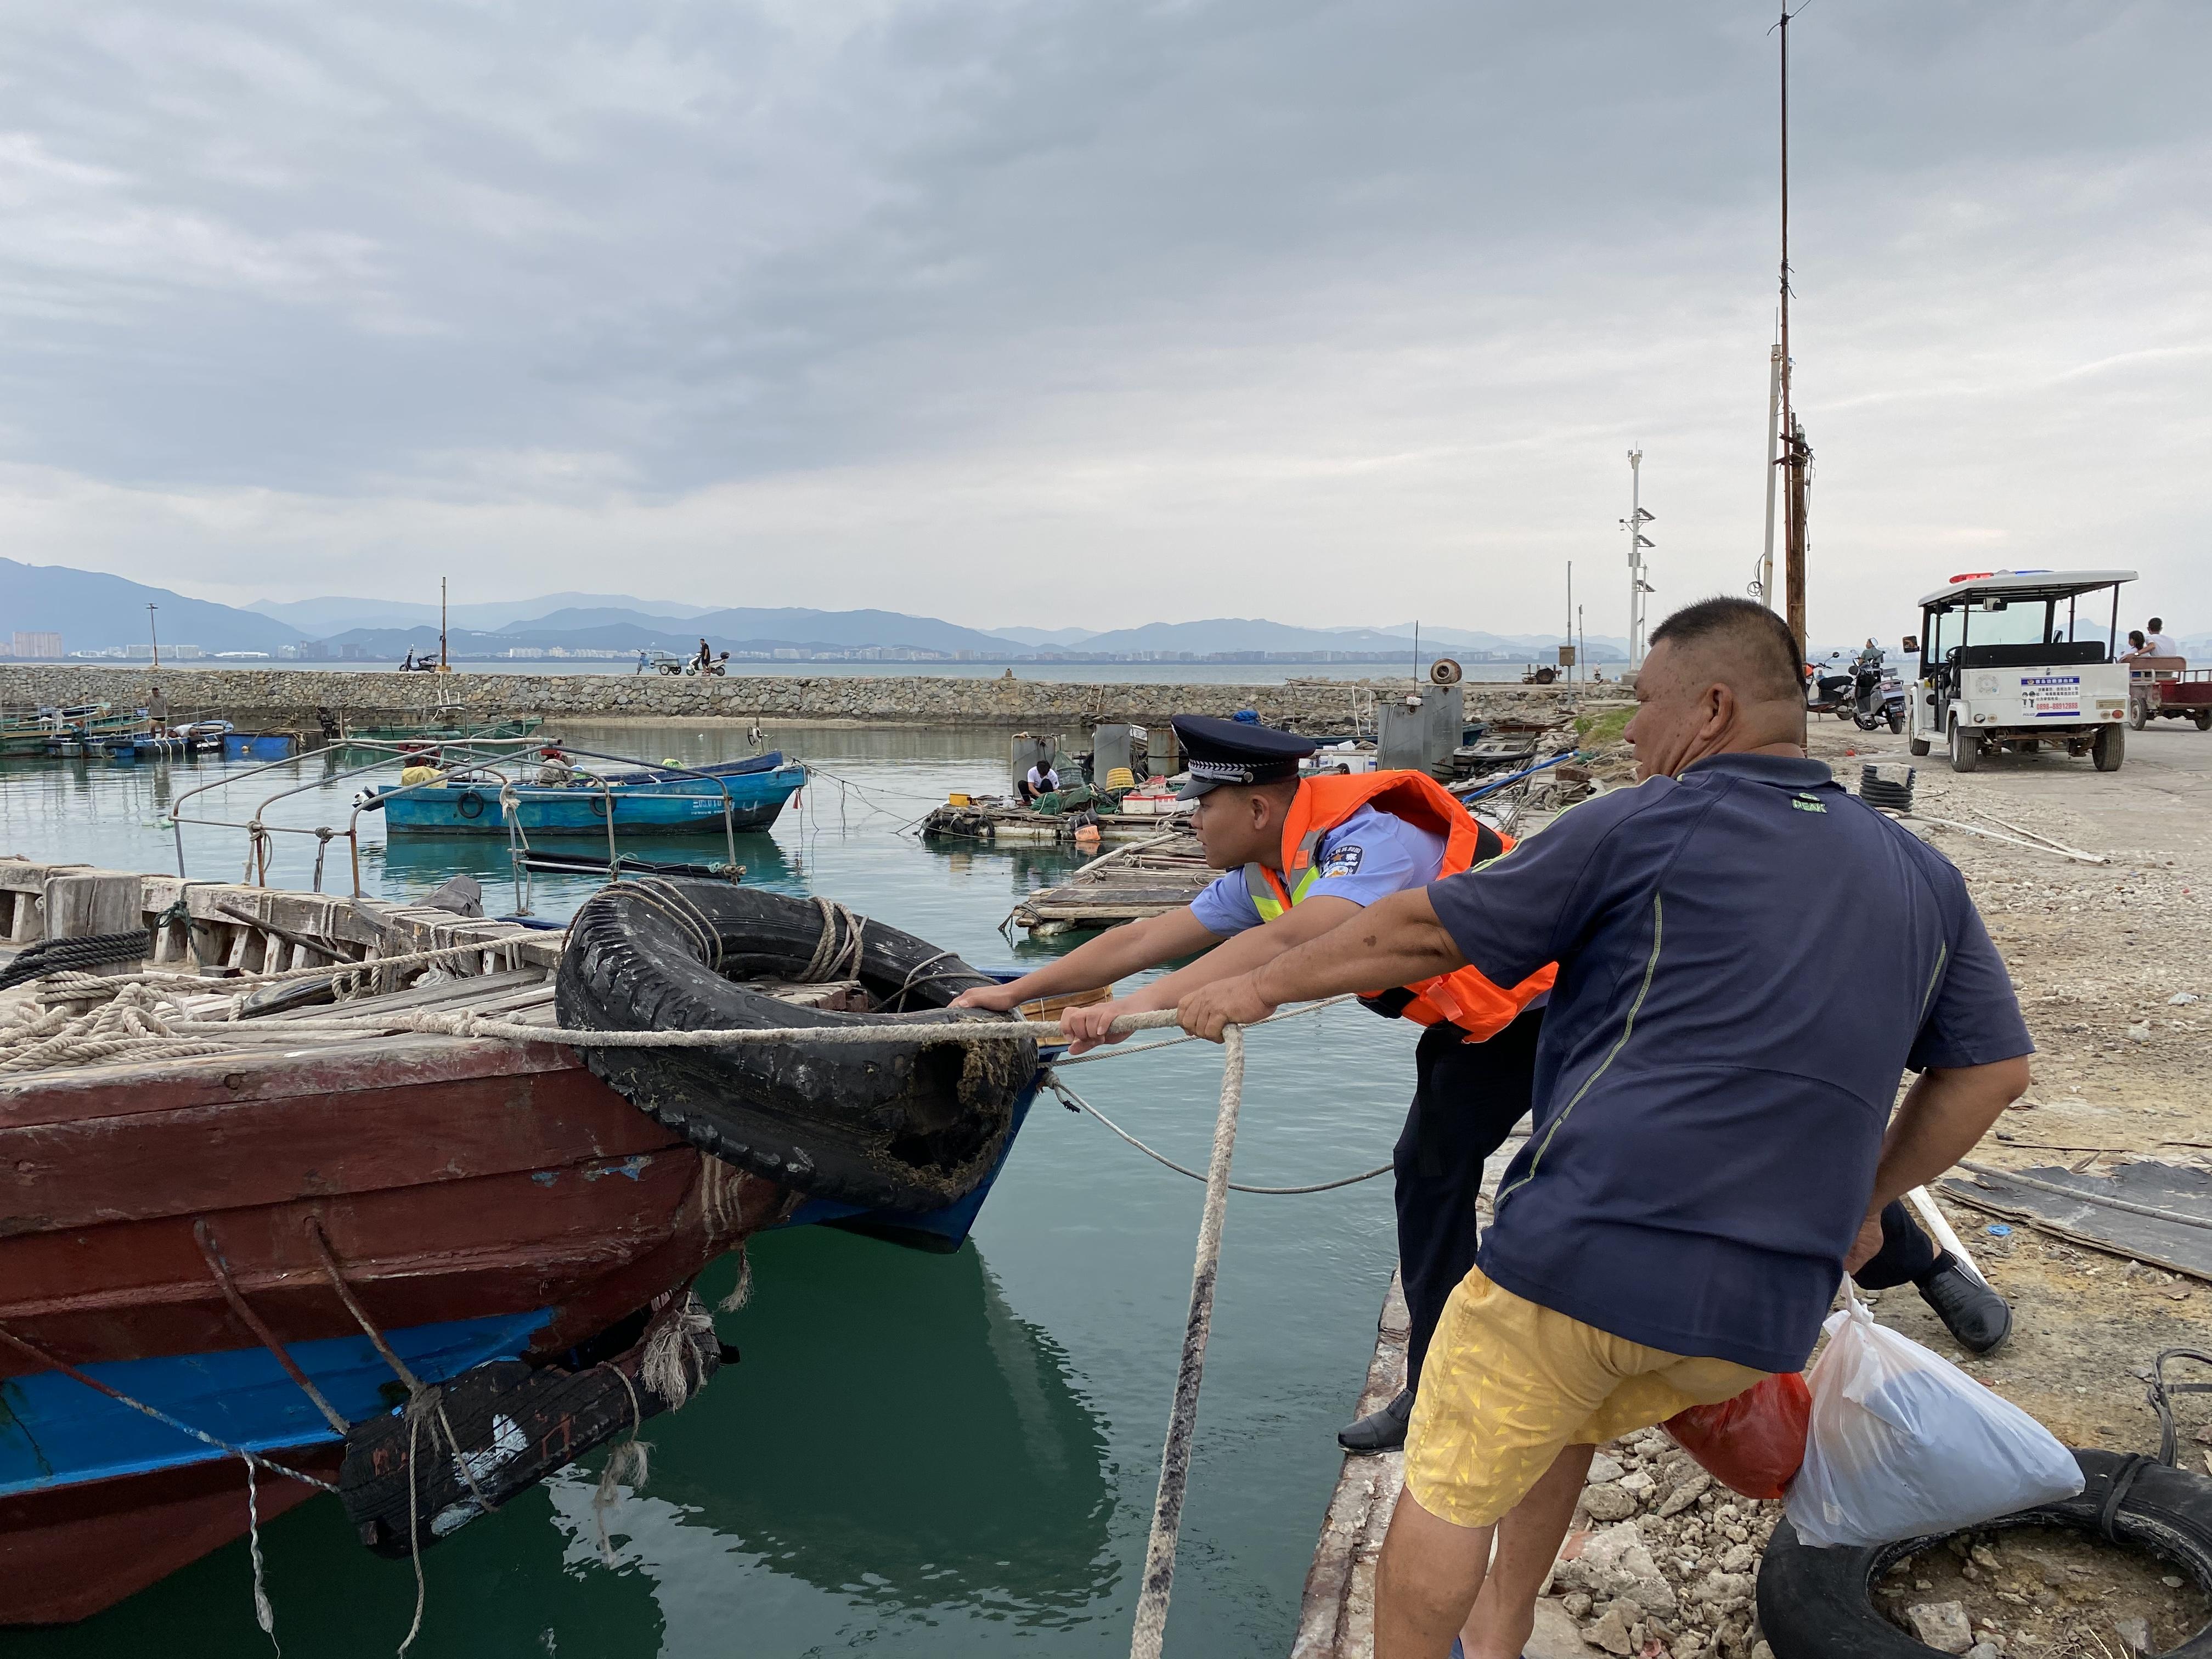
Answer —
290 697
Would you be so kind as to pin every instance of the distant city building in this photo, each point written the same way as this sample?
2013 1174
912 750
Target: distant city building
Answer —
177 652
525 651
36 645
240 656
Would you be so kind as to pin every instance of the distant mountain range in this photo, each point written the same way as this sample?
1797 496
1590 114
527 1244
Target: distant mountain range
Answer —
107 615
90 609
319 618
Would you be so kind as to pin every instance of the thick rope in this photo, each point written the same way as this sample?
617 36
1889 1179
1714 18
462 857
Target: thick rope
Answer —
835 956
68 987
1150 1626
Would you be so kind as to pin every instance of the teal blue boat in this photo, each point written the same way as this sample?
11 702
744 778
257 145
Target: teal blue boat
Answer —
643 803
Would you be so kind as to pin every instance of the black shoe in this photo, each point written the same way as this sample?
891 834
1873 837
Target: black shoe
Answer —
1379 1432
1969 1309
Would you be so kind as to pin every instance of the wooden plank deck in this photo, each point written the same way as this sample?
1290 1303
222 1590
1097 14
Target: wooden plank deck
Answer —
1146 879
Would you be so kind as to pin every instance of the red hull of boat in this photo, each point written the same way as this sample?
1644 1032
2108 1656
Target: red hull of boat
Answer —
67 1554
453 1180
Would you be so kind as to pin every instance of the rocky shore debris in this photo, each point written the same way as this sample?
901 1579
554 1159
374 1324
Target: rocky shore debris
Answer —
1663 1562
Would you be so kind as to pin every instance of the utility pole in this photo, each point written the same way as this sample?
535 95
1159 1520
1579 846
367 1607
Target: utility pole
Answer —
1795 453
1637 541
443 667
1570 613
154 634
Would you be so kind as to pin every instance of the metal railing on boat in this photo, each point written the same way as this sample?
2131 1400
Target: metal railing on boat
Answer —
480 758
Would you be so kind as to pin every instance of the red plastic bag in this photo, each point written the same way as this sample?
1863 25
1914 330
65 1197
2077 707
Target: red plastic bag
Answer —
1752 1444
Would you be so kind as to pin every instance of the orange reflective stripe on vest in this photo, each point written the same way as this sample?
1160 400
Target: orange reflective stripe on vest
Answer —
1463 996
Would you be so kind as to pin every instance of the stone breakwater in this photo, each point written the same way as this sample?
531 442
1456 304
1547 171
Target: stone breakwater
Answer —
290 697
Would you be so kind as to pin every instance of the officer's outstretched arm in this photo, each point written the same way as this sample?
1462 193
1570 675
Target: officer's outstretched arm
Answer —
1245 951
1115 954
1394 941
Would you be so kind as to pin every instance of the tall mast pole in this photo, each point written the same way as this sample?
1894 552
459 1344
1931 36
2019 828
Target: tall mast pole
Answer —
1793 438
1773 432
1569 637
442 667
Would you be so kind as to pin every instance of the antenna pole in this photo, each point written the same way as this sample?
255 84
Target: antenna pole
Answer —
1570 611
1637 587
442 667
1793 435
153 633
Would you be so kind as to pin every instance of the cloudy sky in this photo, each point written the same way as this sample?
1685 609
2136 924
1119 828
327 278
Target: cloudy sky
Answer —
1098 312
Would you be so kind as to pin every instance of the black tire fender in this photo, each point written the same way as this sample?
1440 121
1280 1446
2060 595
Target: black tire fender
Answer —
1818 1603
469 803
905 1126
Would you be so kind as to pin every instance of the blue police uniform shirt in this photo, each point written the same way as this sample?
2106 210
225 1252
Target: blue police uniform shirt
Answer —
1371 855
1709 1111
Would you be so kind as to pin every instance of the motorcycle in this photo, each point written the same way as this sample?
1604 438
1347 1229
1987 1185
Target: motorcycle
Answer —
1877 698
1831 692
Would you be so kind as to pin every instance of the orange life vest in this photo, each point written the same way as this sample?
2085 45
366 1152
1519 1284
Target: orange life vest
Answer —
1464 996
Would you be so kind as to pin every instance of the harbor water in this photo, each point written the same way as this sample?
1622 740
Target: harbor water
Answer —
919 1455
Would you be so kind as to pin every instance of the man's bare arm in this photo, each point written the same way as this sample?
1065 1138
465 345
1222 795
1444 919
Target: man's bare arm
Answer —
1945 1112
1394 941
1242 952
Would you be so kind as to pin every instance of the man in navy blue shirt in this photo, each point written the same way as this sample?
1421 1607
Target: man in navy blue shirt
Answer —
1714 1145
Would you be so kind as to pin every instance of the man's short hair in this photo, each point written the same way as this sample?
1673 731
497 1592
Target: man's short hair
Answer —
2158 624
1748 633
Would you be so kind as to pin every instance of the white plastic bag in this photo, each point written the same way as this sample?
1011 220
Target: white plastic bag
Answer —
1903 1444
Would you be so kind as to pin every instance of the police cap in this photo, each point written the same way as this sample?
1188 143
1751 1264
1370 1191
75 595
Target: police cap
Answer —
1235 752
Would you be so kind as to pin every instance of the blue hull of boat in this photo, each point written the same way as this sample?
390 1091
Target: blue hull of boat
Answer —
677 806
55 1432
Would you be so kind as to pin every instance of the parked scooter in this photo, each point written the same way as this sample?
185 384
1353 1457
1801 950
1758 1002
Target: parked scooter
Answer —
1877 697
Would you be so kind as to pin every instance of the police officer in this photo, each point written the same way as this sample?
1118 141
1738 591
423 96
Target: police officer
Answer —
1299 857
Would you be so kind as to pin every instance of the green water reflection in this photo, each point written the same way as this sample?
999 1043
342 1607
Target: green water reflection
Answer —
919 1455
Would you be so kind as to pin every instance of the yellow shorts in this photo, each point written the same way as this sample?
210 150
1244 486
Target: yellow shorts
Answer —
1508 1385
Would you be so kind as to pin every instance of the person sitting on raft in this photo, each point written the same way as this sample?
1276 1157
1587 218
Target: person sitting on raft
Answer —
418 765
554 772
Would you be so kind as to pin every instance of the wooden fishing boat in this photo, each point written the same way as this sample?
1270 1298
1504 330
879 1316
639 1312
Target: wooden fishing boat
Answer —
443 730
747 794
245 1240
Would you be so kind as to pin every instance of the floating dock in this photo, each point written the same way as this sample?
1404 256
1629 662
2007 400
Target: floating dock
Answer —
991 819
1146 878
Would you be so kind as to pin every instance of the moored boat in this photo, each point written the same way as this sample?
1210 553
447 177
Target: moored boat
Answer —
278 1243
747 794
440 731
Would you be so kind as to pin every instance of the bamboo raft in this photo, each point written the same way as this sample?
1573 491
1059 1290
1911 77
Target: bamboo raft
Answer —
1162 872
991 819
